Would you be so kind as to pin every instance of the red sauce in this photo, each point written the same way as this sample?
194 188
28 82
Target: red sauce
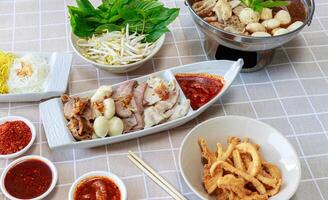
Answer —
199 88
14 136
28 179
97 187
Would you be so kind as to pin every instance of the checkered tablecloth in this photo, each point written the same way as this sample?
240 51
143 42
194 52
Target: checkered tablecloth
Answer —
291 95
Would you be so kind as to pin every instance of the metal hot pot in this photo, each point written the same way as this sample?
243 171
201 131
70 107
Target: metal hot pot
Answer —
263 46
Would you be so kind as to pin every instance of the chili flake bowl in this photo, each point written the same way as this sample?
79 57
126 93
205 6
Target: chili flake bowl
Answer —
25 158
33 135
120 184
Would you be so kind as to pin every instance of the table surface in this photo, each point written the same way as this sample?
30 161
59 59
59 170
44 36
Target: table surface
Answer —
291 95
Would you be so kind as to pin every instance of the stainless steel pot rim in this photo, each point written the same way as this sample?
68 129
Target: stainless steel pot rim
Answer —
244 37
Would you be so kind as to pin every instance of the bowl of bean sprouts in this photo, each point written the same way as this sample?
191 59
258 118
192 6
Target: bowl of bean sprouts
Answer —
116 51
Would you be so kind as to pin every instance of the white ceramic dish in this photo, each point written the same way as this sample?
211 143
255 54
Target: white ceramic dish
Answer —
55 124
60 65
33 132
111 176
117 68
45 160
274 147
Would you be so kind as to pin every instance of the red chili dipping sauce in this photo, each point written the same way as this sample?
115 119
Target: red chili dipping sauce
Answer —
14 136
199 88
97 187
28 179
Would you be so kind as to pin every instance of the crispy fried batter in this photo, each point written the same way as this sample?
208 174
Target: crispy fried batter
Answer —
238 162
237 172
255 167
236 185
226 166
206 153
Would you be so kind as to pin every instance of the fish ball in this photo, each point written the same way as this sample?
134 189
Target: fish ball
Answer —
266 14
295 25
261 34
283 16
234 3
271 23
116 126
279 31
255 27
248 15
101 126
109 108
101 93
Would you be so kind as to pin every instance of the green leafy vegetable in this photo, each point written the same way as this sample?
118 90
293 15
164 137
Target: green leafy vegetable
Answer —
258 5
148 17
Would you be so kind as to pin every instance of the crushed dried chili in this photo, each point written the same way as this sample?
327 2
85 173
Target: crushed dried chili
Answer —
14 136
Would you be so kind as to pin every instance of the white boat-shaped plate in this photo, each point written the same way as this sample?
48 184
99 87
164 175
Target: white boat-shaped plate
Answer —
55 124
60 65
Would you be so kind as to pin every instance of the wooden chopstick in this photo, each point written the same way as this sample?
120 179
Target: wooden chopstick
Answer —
155 177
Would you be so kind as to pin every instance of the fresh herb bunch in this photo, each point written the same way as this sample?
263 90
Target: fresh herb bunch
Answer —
258 5
148 17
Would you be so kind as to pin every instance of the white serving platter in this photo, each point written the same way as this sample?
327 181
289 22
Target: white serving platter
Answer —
60 65
59 136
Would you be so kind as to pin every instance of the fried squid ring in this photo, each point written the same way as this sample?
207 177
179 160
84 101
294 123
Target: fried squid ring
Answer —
236 185
226 166
238 162
233 142
255 167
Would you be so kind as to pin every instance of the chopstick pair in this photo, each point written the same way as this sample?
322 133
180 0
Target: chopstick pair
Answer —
155 177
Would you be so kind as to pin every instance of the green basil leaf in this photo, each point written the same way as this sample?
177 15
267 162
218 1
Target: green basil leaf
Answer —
143 16
272 4
85 6
156 34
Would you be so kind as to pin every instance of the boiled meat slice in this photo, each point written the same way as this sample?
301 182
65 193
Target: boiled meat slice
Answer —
140 121
80 128
74 106
88 112
123 96
124 90
122 110
138 96
152 117
179 111
129 123
151 97
163 106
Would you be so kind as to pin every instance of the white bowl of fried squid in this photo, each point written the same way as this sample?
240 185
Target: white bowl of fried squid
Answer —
236 157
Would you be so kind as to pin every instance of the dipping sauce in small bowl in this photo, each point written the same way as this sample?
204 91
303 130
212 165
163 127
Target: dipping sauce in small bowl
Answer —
200 88
98 185
17 134
30 177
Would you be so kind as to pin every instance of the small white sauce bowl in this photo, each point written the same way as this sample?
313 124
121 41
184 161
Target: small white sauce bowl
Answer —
22 159
111 176
33 132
